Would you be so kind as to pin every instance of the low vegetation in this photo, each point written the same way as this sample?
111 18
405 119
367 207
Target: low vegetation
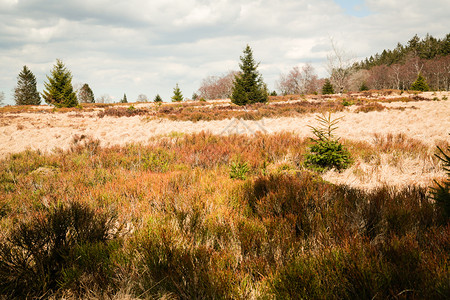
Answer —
203 216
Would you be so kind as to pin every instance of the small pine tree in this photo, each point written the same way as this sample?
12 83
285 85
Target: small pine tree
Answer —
177 95
59 90
363 87
327 88
26 92
85 95
124 99
2 98
248 85
157 98
420 84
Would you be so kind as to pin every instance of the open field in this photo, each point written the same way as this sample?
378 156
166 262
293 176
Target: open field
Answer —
425 122
124 202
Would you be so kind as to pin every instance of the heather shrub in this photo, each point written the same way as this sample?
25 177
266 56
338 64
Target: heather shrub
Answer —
172 264
441 191
56 249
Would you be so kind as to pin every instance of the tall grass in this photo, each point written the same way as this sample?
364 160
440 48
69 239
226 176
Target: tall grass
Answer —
183 229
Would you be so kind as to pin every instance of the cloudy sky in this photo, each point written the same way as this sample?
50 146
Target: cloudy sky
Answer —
146 47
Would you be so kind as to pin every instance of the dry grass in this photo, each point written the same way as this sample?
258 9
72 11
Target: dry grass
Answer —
184 229
187 230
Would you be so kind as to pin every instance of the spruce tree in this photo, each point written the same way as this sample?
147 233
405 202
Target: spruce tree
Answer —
177 95
363 87
248 85
124 99
420 84
327 87
59 90
2 98
26 92
157 98
85 95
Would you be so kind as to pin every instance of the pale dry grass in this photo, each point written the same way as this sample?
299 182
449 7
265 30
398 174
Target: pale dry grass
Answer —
391 170
424 121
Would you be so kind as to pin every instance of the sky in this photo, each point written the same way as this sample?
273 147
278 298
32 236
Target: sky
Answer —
147 47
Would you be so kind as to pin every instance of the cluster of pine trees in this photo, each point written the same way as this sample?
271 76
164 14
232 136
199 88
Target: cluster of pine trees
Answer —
58 90
426 48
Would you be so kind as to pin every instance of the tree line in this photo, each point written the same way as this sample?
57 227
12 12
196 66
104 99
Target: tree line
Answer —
423 64
427 48
425 60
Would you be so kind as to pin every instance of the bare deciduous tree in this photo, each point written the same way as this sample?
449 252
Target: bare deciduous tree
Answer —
217 87
2 98
142 98
105 98
339 67
299 81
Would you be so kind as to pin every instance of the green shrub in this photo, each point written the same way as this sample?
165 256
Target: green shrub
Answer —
326 155
239 169
345 102
327 152
157 161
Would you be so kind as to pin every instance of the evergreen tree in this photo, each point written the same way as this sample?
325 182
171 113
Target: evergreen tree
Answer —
157 98
177 95
59 90
26 92
327 87
248 85
85 95
363 87
2 98
420 84
124 99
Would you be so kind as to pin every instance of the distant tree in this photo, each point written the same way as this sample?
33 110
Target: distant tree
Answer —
124 99
340 67
85 94
194 96
298 81
142 98
274 93
420 84
59 90
177 95
105 98
363 87
327 87
26 92
217 87
357 78
158 98
248 85
2 98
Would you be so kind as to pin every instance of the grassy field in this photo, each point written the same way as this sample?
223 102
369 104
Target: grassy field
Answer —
200 215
